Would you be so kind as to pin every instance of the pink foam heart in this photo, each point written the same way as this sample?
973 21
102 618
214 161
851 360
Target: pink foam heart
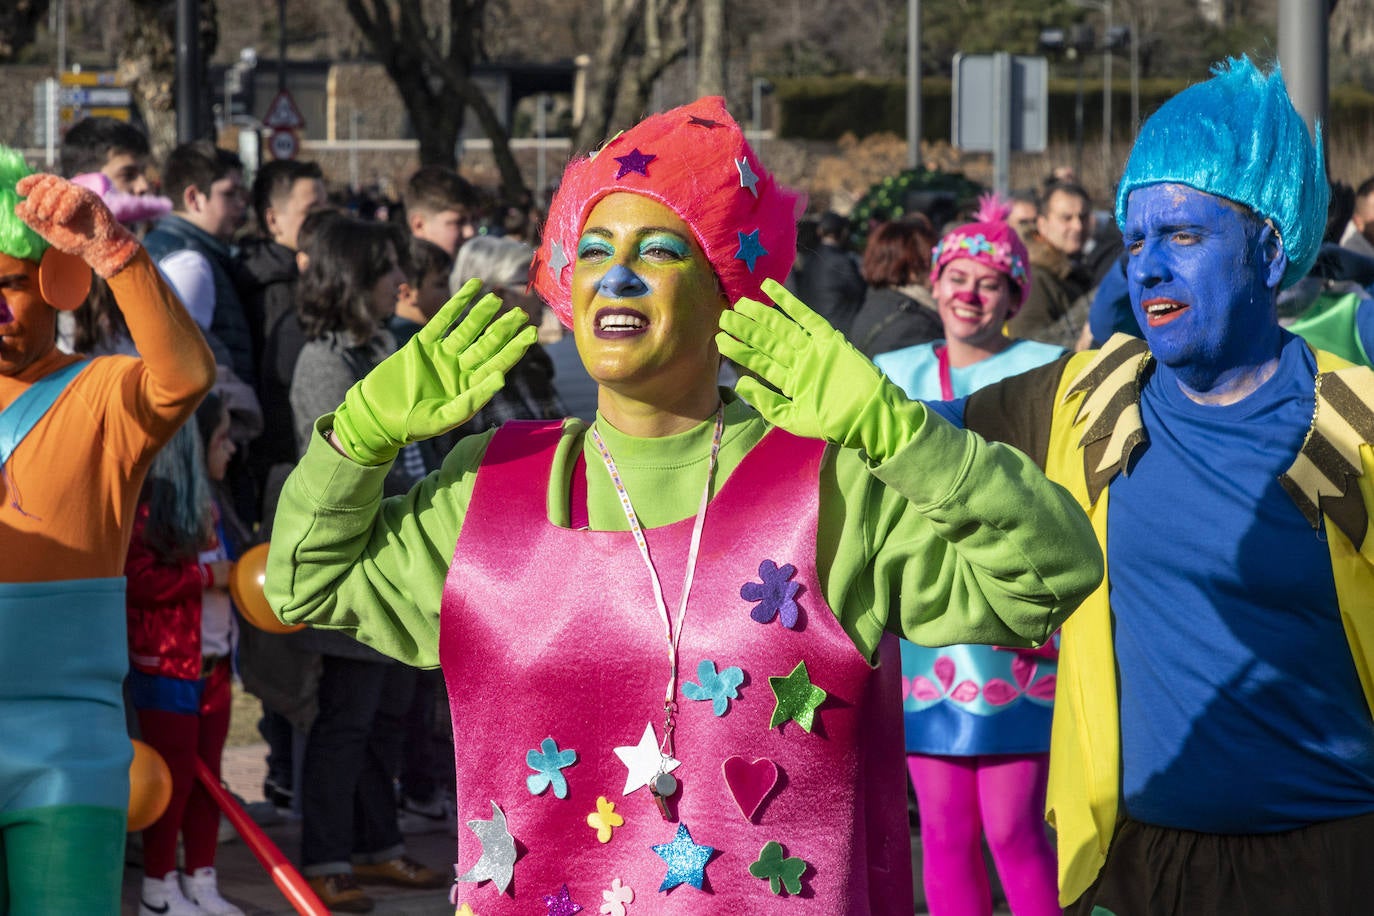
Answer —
750 783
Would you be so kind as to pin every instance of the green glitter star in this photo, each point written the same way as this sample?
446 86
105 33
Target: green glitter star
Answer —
797 698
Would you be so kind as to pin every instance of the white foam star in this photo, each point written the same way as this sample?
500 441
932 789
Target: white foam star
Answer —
644 761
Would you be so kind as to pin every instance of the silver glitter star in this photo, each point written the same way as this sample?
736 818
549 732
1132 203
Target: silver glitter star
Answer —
558 260
497 861
747 178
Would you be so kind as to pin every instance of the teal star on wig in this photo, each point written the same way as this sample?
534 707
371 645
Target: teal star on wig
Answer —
1238 136
16 239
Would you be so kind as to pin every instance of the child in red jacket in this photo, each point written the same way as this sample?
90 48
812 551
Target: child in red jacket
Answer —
181 634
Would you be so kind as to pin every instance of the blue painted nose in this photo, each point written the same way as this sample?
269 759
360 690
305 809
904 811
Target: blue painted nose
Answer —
622 283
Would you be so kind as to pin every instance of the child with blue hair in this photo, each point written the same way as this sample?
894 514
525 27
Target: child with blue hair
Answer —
1213 747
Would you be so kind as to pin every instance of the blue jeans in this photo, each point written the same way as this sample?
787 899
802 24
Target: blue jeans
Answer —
348 803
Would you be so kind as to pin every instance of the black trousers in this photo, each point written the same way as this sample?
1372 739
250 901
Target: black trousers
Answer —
1321 870
348 801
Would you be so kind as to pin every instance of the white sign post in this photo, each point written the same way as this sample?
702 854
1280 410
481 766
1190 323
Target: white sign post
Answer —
1000 105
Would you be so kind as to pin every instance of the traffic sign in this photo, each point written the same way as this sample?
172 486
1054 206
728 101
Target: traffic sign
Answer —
91 93
283 114
284 144
79 97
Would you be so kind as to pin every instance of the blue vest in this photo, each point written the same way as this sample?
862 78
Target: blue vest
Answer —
230 324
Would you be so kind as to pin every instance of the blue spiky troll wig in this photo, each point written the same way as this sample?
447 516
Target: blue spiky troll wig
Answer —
1238 136
16 239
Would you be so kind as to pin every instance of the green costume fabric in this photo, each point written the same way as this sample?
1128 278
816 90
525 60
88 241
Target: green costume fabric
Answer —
943 543
61 859
1329 324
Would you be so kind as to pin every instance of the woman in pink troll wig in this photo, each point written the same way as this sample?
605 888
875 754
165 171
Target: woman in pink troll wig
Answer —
978 717
669 637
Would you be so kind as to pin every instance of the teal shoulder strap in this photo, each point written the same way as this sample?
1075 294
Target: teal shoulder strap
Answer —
26 410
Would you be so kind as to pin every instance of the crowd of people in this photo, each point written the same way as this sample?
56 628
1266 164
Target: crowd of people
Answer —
260 364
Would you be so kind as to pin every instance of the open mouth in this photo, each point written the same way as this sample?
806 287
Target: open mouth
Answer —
1162 311
615 323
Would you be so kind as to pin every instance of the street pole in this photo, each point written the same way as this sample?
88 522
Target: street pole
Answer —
353 120
1106 91
188 71
913 84
1135 78
1001 122
281 45
540 174
1078 121
1302 29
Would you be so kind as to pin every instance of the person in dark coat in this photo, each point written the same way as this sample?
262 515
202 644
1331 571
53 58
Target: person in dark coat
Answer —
898 310
828 277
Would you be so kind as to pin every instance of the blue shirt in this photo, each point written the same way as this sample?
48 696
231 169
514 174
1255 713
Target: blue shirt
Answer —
1241 711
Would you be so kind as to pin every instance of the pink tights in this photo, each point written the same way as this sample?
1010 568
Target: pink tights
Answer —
1002 796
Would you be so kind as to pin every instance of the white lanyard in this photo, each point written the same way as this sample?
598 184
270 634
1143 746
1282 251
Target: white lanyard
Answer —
672 631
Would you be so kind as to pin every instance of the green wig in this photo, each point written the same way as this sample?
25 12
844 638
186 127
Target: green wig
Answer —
16 239
1238 136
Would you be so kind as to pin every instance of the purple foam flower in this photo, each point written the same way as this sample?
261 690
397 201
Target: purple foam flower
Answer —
775 594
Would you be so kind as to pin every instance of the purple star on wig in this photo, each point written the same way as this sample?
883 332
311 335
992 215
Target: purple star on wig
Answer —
634 161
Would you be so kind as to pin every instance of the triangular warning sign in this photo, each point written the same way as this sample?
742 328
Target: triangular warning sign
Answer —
283 114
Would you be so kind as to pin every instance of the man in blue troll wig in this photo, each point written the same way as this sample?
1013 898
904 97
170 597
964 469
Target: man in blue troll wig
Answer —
1213 744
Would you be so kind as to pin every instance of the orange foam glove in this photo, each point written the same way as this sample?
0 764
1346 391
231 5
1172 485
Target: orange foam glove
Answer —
75 220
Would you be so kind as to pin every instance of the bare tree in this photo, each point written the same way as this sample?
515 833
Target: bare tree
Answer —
19 20
431 66
639 40
147 64
712 51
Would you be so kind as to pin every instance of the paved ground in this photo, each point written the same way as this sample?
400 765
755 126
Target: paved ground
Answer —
243 881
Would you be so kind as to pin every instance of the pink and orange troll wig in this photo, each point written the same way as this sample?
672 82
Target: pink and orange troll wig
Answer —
990 241
695 161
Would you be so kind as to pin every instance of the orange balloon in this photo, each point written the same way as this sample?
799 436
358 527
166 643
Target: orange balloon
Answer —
245 587
150 786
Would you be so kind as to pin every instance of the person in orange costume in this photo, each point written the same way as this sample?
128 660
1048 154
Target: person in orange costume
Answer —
76 437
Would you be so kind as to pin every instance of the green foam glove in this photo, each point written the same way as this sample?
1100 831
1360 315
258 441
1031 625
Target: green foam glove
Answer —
825 389
436 381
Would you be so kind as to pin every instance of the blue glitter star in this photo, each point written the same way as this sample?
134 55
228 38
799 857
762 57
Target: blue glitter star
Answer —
686 860
548 762
558 259
749 249
634 161
561 903
720 688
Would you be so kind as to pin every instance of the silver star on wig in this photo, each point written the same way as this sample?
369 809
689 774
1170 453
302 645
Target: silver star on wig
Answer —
497 862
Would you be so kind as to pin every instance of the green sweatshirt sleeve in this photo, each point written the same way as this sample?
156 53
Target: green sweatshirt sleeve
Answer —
342 558
952 540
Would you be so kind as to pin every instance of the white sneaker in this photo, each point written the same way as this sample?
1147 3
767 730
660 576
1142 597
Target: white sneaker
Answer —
163 897
203 890
433 816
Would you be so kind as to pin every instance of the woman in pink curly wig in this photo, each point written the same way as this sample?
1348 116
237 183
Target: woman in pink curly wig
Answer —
669 637
978 717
